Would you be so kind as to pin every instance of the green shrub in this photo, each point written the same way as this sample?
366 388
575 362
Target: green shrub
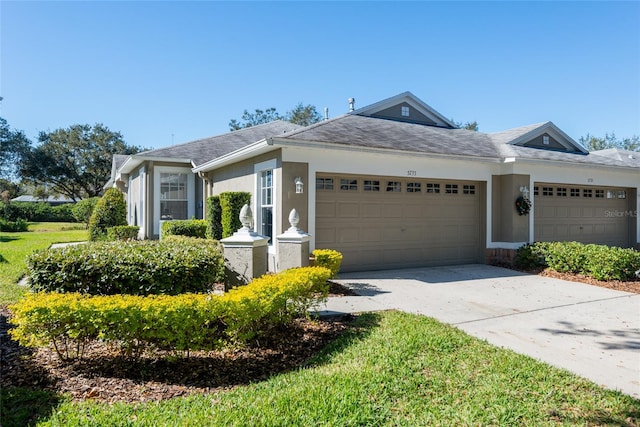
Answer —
598 261
16 226
328 258
186 227
231 203
36 212
83 210
123 232
214 218
110 211
132 267
180 323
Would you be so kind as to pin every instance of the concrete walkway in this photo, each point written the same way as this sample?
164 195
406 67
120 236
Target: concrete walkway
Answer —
591 331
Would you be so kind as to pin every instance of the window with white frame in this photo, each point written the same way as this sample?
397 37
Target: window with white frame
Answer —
173 196
266 203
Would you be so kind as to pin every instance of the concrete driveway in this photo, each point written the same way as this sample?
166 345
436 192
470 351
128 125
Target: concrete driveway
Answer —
591 331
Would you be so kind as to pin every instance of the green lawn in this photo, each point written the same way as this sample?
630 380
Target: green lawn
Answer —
392 369
15 247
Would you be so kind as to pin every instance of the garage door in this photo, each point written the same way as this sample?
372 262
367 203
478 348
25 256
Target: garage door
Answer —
386 222
582 214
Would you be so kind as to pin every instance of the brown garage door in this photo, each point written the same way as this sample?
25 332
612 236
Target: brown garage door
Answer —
385 222
586 214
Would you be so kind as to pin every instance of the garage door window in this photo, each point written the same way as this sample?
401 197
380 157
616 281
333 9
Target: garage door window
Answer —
324 183
371 185
575 192
587 192
451 188
547 191
599 194
433 188
414 187
622 194
394 186
349 184
469 189
561 192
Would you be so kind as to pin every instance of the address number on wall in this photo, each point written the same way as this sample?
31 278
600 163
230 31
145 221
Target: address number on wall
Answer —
411 173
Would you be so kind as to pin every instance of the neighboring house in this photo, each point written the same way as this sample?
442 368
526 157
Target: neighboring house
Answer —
52 200
395 184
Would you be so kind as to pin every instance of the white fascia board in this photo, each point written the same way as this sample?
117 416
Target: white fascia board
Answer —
357 149
567 164
260 147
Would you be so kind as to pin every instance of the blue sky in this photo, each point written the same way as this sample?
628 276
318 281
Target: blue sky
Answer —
163 72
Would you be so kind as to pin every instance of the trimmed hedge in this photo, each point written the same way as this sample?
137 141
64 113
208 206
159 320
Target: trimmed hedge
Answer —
185 227
180 323
83 210
328 258
214 218
110 211
132 267
598 261
123 232
36 212
231 203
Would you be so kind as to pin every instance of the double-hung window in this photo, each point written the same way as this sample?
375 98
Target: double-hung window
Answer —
266 203
173 196
265 199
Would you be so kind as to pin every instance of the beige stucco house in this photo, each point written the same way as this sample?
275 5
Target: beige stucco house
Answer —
396 184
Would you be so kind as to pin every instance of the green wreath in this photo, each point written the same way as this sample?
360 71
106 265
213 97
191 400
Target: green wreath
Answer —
523 206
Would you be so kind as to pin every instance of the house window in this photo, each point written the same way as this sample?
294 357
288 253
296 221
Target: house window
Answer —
394 186
545 139
575 192
599 194
173 196
433 188
587 192
561 192
414 187
547 191
451 188
371 185
266 203
468 189
324 183
622 194
404 111
349 184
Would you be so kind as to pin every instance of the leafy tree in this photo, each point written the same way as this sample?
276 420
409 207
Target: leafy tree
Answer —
468 125
8 190
257 118
303 115
83 210
41 193
13 144
75 162
593 143
110 211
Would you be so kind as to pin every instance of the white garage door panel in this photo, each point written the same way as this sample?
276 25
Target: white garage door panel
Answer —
589 217
380 229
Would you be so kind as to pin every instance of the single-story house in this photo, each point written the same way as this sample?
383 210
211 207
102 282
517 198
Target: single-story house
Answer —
52 200
396 184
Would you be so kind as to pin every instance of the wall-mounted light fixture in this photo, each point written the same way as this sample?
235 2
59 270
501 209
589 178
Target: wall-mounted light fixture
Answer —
525 191
299 185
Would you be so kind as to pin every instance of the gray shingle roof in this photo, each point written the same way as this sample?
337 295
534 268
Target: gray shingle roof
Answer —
204 150
362 131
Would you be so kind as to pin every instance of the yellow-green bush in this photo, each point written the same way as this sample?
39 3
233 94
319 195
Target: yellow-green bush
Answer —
330 259
179 323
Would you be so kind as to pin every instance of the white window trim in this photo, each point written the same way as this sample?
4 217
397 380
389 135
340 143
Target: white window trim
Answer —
191 192
257 169
142 216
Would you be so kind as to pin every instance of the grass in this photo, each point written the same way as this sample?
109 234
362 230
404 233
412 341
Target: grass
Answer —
15 247
391 369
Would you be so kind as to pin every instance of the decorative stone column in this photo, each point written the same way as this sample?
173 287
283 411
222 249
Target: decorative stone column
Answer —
292 245
245 253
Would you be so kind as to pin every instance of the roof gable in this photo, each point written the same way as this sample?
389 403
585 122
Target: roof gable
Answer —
544 136
405 107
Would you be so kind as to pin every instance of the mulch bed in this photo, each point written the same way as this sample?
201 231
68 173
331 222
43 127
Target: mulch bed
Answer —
106 376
